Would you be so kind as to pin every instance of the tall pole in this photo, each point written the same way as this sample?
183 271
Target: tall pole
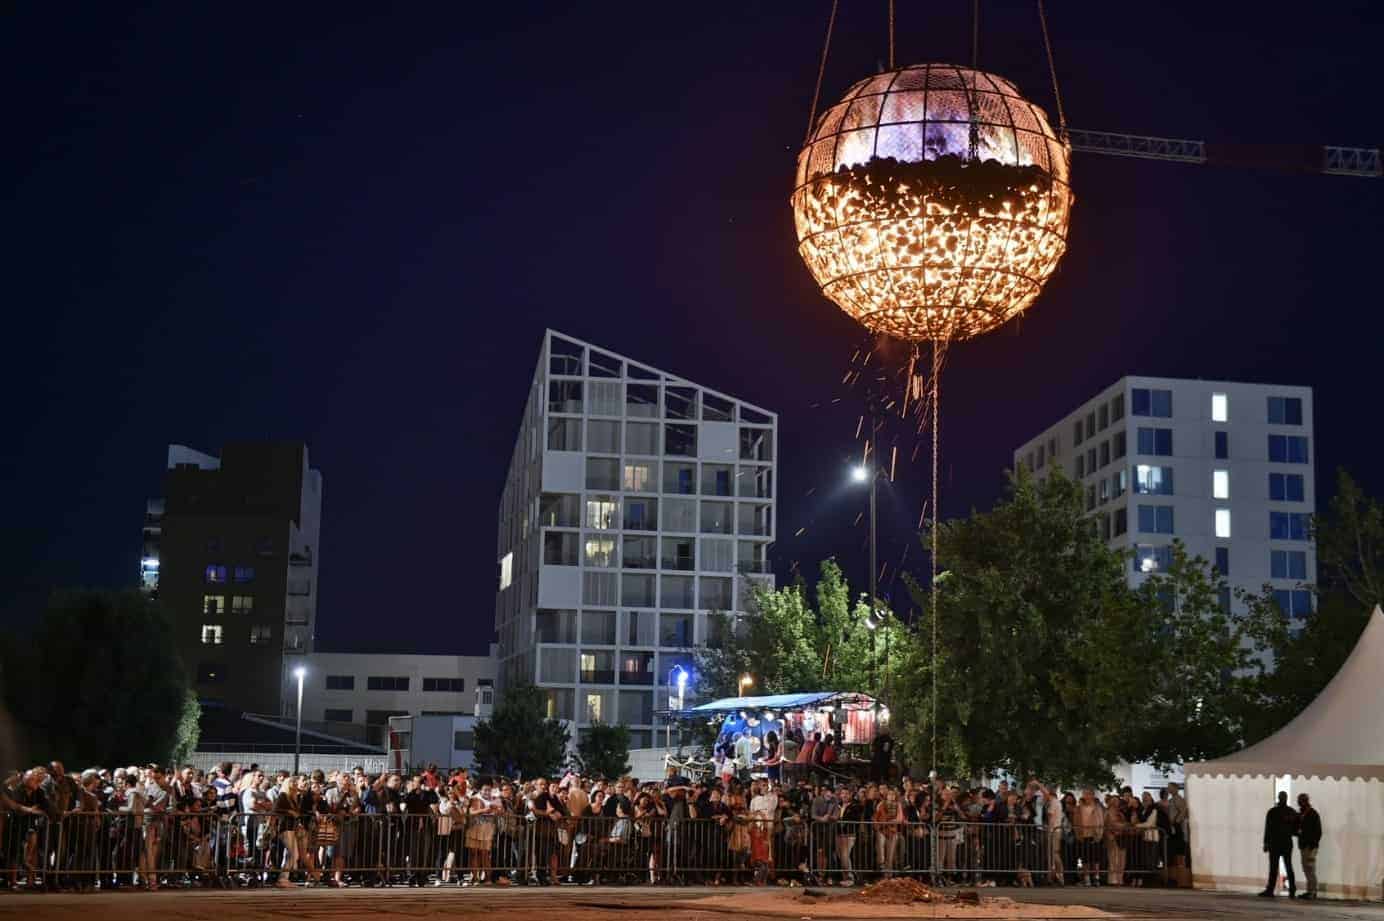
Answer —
298 731
874 564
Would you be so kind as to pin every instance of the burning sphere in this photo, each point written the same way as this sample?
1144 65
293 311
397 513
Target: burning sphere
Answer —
932 202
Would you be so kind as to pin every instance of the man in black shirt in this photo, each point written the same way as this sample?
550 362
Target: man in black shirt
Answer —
1309 839
420 831
1280 824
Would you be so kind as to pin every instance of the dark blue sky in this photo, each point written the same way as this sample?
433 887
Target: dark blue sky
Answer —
350 224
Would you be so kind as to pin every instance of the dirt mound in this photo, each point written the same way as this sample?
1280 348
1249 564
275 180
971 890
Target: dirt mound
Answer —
899 891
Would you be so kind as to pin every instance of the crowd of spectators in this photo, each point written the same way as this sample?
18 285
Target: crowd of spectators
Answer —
238 825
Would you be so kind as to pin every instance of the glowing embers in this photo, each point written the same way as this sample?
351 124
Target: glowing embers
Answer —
935 249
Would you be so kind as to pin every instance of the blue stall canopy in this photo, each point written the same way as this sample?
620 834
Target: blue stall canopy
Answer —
810 700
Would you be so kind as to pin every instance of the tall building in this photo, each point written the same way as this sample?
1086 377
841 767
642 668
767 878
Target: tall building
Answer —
638 507
1224 467
235 551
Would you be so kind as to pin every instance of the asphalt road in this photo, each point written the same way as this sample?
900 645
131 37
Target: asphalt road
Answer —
631 904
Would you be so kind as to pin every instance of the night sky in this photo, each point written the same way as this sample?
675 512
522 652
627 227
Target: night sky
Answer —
349 224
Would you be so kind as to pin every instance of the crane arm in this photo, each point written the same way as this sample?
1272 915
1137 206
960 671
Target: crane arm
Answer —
1332 161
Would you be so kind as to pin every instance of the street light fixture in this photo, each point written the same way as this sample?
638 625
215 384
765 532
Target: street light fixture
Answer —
862 473
745 682
300 672
677 677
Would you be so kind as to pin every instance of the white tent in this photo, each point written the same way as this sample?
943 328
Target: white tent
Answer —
1334 752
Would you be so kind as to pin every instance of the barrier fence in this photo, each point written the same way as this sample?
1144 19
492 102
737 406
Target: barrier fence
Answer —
112 850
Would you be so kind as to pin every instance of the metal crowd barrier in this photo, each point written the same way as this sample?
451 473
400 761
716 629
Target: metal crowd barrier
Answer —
114 850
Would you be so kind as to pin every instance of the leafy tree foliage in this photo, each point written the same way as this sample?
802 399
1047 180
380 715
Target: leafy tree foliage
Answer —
789 644
1208 663
603 751
519 739
1050 664
1350 583
99 681
1350 545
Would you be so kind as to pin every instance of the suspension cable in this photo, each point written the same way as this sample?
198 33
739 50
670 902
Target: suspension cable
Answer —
975 34
821 70
891 34
936 396
1052 72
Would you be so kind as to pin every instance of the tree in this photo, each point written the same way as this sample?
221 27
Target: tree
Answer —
1350 545
788 645
1350 583
1202 661
1048 661
603 751
519 739
1031 618
99 681
189 729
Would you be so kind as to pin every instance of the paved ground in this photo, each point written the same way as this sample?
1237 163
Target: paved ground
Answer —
651 904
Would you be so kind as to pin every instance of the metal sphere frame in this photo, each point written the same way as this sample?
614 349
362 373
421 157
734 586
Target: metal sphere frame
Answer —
932 202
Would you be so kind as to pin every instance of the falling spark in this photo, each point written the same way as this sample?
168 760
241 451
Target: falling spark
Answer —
801 532
893 463
857 519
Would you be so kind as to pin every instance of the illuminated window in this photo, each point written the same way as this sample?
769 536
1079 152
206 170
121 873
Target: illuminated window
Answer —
1222 522
211 634
1153 481
1220 408
1152 559
602 513
506 571
638 478
215 573
593 708
261 635
600 551
1220 484
245 574
213 605
242 604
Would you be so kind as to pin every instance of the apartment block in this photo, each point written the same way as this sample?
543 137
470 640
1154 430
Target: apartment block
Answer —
638 509
1224 467
231 552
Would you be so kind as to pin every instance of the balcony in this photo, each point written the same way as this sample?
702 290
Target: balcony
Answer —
637 678
598 676
300 557
680 563
299 587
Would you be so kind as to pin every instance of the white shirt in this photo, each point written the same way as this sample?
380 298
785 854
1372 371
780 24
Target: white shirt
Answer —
766 803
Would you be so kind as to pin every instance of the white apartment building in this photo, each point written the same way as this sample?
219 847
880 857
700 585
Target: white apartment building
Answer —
637 508
1224 467
369 688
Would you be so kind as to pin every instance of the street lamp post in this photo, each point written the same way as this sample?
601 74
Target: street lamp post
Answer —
298 673
870 473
